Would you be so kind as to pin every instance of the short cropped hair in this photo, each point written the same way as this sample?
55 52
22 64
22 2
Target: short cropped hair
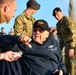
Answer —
56 9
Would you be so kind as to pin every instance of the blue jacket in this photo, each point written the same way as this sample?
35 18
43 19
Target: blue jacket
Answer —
9 68
6 40
41 59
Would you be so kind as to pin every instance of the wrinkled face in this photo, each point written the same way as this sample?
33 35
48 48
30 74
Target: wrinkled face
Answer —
58 15
10 10
40 35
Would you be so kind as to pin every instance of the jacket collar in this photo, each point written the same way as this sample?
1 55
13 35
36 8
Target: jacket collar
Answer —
27 16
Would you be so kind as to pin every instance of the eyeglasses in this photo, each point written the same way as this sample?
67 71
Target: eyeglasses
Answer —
39 30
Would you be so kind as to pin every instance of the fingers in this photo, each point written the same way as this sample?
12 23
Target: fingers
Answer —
55 71
27 44
25 38
61 72
8 56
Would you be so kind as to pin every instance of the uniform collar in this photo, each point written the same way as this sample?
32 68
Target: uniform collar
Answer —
62 19
2 18
28 17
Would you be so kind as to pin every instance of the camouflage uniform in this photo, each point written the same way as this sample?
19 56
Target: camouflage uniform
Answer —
67 35
23 25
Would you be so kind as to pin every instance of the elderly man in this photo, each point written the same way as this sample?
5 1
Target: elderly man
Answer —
43 57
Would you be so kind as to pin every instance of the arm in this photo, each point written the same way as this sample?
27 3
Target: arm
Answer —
8 56
72 30
58 59
61 67
8 39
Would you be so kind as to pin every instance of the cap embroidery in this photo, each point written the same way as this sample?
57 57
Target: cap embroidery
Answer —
40 22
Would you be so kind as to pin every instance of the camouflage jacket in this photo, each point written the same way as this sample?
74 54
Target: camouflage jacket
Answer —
23 24
67 31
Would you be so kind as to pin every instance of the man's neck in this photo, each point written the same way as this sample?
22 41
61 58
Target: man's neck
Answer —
28 11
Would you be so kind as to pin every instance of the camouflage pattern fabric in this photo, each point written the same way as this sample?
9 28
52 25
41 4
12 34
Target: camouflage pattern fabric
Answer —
67 36
23 25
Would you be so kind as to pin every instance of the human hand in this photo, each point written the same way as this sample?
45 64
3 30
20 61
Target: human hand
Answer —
18 54
8 56
25 39
56 72
60 72
71 52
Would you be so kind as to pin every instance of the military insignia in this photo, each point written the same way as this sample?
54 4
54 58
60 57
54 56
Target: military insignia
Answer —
40 22
69 23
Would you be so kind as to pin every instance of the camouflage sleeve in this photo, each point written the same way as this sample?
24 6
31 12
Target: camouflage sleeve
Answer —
18 27
72 30
21 28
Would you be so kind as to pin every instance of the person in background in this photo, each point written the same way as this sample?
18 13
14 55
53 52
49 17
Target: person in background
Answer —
54 31
67 35
44 57
11 32
51 29
24 22
2 31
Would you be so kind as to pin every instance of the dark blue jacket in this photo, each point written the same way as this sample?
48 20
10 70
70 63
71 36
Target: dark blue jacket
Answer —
6 40
9 68
40 59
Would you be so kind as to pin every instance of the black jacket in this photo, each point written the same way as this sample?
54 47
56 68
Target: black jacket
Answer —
9 68
40 59
6 40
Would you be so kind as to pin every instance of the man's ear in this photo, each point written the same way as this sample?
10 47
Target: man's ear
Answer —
6 7
47 34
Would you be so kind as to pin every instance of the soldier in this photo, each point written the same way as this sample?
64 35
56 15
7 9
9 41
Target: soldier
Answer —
24 22
67 35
